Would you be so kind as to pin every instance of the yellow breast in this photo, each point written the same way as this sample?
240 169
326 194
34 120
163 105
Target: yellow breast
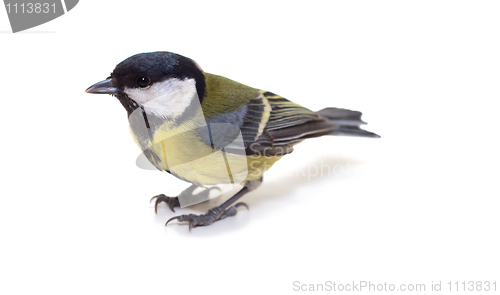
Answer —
181 151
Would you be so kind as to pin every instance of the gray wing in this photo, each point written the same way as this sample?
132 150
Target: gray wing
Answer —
269 125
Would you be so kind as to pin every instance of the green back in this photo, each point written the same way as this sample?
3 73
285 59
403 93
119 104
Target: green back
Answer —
224 95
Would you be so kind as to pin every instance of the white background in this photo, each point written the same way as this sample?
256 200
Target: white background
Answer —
419 205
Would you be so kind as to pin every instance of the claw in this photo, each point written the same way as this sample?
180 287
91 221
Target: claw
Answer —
156 205
241 204
173 218
182 218
170 201
171 206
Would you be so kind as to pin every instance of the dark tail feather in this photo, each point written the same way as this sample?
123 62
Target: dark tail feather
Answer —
353 131
348 122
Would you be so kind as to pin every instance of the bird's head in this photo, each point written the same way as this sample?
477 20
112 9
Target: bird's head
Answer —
161 83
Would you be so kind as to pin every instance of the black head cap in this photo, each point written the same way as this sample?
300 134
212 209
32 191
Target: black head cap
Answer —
144 69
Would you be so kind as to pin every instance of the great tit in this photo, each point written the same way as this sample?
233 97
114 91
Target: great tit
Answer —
207 129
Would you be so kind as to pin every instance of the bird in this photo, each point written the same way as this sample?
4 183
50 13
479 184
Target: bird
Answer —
208 130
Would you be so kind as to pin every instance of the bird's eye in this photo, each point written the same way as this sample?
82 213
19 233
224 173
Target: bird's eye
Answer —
143 81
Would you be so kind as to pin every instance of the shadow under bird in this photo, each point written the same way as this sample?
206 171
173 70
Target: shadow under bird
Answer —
209 130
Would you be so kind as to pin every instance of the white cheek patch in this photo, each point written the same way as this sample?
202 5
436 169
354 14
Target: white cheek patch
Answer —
169 98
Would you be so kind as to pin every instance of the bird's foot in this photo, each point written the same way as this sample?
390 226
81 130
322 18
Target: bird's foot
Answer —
171 202
208 218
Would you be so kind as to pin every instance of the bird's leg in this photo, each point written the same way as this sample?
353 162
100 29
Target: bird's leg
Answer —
226 209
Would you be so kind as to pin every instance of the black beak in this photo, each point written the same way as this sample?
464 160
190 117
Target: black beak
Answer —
105 87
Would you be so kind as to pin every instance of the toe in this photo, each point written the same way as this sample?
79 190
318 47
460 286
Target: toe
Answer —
173 218
157 197
158 201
